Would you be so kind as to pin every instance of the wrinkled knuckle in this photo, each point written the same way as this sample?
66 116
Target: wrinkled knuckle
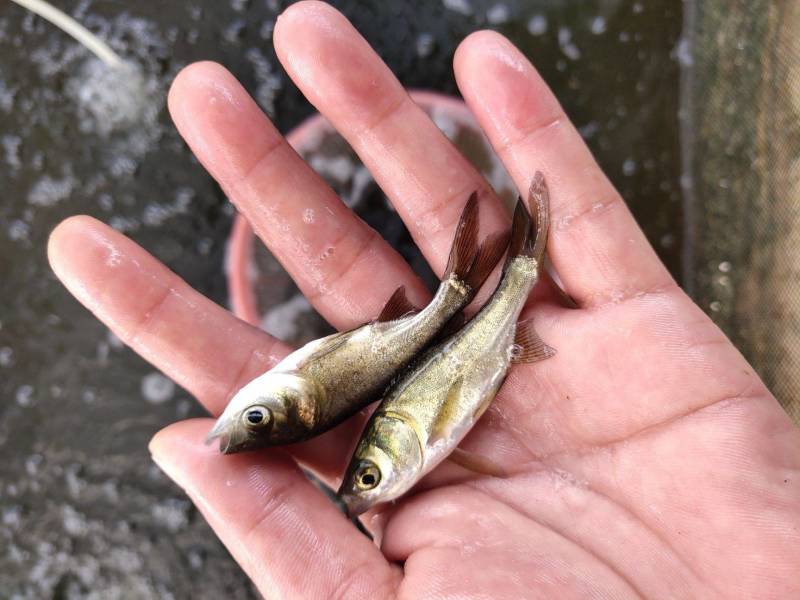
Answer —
529 131
246 176
147 317
384 115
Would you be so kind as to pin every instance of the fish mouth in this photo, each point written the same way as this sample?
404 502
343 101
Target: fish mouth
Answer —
354 505
220 432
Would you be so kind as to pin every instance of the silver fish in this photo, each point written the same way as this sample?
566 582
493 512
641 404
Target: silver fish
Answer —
427 412
328 380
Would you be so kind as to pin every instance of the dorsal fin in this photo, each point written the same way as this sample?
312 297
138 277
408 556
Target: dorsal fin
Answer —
520 243
396 306
539 201
488 255
529 233
529 346
465 240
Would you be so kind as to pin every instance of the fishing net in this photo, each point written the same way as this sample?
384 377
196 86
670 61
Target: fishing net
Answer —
741 152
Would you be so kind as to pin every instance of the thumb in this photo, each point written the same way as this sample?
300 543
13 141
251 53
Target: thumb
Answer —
287 536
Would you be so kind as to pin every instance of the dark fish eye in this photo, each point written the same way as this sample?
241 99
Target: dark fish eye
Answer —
368 476
256 417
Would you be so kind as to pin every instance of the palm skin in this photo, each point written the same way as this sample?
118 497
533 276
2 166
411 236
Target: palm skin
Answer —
646 458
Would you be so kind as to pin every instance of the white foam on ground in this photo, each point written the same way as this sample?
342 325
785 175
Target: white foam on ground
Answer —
109 99
460 6
498 14
598 25
6 97
281 319
157 213
49 190
156 388
24 395
628 167
269 82
567 46
425 44
172 513
339 168
6 356
537 25
11 144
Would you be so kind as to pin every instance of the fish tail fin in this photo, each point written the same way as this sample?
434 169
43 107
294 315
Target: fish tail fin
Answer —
465 241
529 233
488 255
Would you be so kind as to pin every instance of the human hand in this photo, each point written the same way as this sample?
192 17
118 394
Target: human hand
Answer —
647 458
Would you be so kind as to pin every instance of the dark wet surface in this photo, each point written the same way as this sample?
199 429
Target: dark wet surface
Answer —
83 511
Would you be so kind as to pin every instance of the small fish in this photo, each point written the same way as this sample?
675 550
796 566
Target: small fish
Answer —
426 412
328 380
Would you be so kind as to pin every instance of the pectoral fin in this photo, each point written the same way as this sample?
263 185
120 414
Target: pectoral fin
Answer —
530 347
477 463
487 400
328 345
448 413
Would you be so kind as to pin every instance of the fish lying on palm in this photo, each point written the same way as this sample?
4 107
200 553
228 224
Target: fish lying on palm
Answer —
427 411
328 380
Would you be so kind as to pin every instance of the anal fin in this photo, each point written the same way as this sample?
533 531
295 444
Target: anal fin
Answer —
530 347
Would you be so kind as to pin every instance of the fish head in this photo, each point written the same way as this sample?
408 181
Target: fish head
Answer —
275 408
384 465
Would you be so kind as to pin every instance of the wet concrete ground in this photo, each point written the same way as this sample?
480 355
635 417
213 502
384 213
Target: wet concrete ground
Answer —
83 511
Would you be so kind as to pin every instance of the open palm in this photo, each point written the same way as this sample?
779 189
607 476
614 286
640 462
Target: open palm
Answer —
646 459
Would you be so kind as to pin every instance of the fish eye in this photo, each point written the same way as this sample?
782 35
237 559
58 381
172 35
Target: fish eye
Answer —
257 417
367 476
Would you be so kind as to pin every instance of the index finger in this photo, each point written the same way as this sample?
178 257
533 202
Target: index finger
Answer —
330 252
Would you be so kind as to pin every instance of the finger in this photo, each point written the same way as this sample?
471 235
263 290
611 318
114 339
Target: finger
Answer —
595 244
194 341
191 339
332 255
424 175
287 536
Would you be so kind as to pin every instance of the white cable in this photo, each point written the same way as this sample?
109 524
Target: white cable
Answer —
69 25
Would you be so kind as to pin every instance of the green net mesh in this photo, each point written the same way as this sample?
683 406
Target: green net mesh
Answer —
741 148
